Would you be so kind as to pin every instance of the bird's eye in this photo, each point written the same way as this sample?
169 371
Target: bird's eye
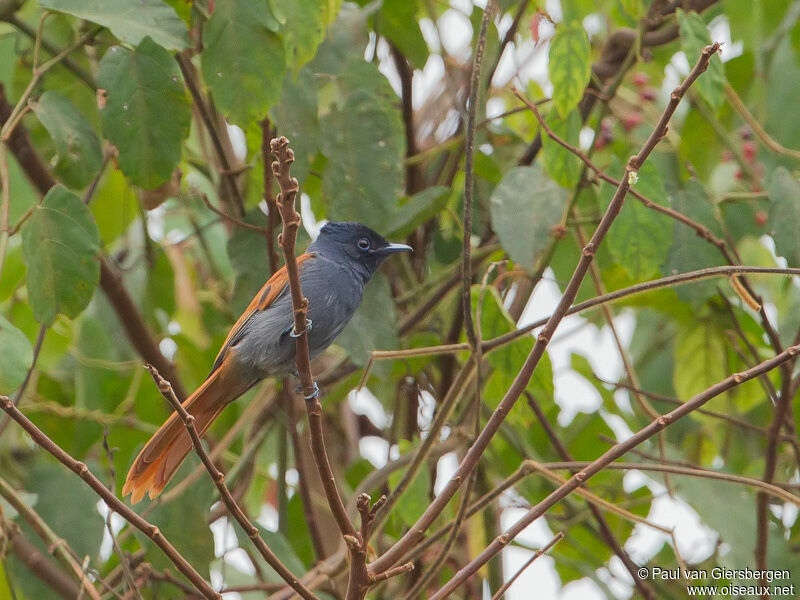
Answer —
363 243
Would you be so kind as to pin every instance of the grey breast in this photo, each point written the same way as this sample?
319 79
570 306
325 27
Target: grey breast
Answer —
333 295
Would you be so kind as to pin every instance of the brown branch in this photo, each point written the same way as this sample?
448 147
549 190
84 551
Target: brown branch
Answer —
232 220
286 240
302 483
56 545
606 459
504 588
227 498
406 74
469 177
139 334
114 503
38 564
267 134
226 172
471 458
605 530
617 57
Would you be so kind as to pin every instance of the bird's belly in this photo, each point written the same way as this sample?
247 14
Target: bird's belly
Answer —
270 349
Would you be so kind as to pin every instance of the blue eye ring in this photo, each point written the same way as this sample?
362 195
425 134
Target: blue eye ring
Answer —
363 244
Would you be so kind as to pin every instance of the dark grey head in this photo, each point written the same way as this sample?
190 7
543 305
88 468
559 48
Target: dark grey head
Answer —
355 243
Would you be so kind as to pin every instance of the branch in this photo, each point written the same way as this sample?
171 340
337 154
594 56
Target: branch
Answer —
219 481
504 588
38 564
286 240
139 334
605 529
606 459
114 503
475 452
55 544
469 178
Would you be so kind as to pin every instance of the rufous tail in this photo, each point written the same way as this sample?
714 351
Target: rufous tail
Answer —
164 452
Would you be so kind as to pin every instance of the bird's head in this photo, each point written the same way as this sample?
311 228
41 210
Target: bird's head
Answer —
355 243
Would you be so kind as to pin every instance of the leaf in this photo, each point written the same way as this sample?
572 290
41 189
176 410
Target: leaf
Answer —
373 325
418 209
146 113
130 22
558 162
305 23
364 143
694 37
15 359
784 215
699 359
243 60
79 155
297 114
689 252
640 236
569 67
524 209
59 244
399 25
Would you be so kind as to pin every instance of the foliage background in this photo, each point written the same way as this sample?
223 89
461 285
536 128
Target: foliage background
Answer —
372 97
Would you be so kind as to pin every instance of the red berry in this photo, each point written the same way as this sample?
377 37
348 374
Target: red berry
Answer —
647 94
738 174
640 79
727 156
749 150
745 133
631 121
760 218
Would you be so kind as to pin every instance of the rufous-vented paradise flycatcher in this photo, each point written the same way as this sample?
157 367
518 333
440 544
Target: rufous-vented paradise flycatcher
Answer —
334 271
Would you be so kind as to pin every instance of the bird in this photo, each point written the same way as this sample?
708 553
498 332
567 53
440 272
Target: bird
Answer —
334 271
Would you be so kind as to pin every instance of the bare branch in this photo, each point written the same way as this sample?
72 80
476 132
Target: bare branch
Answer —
227 498
114 503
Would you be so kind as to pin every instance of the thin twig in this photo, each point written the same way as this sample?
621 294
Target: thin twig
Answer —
469 176
472 456
114 503
502 591
602 523
227 498
608 458
37 348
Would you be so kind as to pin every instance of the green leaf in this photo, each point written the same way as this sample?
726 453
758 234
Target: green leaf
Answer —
297 115
558 162
569 67
16 357
79 155
243 60
131 22
699 359
418 209
694 37
146 113
524 209
305 23
373 325
784 215
640 236
364 143
689 252
399 25
59 245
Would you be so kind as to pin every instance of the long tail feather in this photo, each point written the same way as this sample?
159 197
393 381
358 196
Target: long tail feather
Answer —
164 452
